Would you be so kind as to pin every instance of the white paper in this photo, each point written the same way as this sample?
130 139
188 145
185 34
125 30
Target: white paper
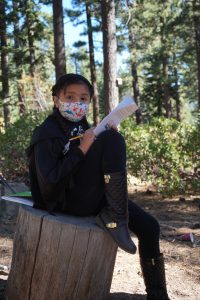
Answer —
124 109
18 200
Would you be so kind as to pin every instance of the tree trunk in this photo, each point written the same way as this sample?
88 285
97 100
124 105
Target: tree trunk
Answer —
196 9
30 32
92 67
60 257
109 53
59 41
134 74
30 21
176 87
18 57
159 104
4 64
166 89
177 96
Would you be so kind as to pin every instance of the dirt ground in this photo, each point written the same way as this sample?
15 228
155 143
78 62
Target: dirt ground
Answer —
177 216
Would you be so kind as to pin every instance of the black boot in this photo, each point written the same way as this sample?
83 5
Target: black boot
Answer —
154 278
114 217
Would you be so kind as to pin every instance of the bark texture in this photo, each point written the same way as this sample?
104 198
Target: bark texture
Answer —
4 64
92 66
109 52
60 257
59 42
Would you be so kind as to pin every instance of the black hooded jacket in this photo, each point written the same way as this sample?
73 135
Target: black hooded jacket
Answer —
51 168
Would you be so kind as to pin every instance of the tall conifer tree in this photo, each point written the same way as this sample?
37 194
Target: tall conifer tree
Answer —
110 54
59 41
18 57
4 64
88 7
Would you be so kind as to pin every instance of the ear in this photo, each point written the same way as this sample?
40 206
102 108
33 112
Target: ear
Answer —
55 100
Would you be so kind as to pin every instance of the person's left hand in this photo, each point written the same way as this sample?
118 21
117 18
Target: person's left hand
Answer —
112 125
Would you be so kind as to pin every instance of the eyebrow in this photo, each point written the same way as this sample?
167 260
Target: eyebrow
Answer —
83 94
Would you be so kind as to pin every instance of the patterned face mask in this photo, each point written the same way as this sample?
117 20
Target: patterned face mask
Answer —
73 111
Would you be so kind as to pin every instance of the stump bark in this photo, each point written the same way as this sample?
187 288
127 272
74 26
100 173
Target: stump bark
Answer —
60 258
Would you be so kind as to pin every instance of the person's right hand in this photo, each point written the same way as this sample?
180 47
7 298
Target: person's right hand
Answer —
87 140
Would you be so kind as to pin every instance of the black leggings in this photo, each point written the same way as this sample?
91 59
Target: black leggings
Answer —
108 155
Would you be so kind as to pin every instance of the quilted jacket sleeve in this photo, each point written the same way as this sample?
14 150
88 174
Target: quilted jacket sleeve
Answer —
53 168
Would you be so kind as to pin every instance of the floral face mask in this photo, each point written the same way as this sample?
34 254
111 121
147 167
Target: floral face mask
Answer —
73 111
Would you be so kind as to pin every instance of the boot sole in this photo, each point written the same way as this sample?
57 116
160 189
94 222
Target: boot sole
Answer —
101 224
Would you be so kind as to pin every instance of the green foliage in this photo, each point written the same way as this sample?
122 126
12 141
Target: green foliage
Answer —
165 152
162 48
23 18
13 142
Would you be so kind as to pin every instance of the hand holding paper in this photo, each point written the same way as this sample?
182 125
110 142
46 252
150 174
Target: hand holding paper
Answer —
124 109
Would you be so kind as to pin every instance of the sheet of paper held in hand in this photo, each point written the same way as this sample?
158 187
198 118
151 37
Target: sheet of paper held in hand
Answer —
124 109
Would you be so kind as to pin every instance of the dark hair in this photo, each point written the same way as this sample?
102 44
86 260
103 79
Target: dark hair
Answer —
68 79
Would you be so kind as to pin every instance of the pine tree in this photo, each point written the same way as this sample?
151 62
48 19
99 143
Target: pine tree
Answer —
59 42
196 18
92 64
33 28
133 57
176 92
87 7
30 55
165 61
17 57
109 51
4 64
166 56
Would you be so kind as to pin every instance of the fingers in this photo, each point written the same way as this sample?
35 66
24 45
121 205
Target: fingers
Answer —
87 140
89 134
112 125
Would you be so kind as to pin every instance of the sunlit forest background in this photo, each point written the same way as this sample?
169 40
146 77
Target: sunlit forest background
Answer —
149 49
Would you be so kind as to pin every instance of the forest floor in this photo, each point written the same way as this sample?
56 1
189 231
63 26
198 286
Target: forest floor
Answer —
177 216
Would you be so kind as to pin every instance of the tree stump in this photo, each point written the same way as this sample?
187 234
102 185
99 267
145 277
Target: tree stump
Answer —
60 257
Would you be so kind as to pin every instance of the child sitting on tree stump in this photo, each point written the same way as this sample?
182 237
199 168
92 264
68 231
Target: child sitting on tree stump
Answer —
75 172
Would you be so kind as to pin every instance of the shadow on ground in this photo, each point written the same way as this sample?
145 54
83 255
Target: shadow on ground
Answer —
125 296
112 296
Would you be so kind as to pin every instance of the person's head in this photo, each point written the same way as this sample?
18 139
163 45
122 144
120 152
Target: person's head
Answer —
71 95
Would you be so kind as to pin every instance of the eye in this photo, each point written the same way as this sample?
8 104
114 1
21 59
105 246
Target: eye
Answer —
69 97
84 99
